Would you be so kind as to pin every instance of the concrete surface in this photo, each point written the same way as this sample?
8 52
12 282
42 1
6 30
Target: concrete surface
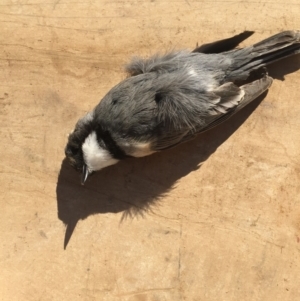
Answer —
158 228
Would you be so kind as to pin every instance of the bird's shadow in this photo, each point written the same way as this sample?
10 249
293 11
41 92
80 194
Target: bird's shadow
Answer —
135 186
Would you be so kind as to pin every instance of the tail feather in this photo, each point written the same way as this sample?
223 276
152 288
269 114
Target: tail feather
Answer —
272 57
268 51
284 38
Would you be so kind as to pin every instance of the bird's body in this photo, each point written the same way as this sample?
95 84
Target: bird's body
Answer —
168 99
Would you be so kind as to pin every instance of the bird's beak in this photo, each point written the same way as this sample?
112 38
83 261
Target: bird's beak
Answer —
85 174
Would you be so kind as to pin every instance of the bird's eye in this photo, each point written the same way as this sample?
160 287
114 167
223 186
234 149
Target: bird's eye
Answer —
71 150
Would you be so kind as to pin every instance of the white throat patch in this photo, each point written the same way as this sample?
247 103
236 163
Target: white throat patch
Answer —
94 155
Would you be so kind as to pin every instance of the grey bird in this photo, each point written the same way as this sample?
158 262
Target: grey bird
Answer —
169 99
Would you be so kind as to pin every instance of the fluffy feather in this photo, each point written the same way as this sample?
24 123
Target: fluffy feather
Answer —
168 99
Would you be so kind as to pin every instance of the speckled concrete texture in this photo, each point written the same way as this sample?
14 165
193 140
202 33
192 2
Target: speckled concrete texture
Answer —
215 219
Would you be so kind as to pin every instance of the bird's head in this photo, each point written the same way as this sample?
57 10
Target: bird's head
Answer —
86 150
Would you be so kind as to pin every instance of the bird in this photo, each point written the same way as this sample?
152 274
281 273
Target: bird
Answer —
168 99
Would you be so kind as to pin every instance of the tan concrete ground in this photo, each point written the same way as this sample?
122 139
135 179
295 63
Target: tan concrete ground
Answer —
158 228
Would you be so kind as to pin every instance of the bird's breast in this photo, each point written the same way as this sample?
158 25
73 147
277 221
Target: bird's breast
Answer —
137 149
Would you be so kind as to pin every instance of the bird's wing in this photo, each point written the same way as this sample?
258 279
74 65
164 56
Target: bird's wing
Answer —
164 62
251 91
223 102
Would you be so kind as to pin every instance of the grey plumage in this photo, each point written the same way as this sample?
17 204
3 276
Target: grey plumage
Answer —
168 99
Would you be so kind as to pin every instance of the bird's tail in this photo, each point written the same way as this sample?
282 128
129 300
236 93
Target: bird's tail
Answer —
270 50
